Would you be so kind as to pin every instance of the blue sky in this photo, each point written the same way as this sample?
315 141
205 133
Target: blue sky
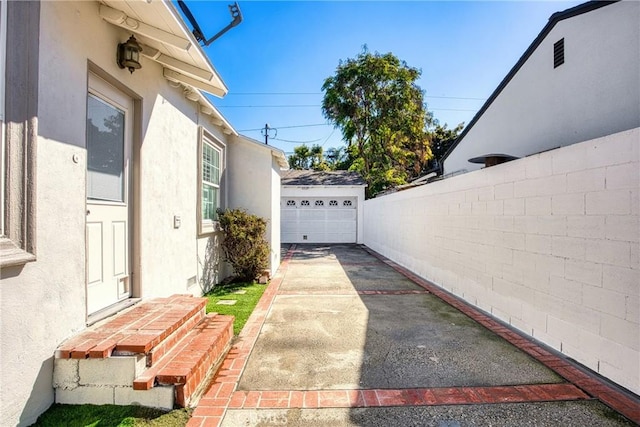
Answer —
276 60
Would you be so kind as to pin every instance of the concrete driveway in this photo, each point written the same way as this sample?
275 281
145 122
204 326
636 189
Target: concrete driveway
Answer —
344 337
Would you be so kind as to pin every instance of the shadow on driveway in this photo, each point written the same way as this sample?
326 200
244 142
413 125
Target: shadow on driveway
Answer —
350 341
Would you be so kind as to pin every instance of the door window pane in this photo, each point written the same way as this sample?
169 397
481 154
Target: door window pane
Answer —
105 151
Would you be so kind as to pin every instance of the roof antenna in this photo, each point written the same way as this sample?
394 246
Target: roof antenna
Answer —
234 9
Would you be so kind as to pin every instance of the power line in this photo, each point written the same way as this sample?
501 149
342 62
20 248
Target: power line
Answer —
330 135
317 106
289 127
320 93
296 142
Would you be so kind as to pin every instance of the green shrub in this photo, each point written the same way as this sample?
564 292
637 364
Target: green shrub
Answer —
244 246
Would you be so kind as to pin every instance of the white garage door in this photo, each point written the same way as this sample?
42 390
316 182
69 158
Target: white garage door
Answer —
318 220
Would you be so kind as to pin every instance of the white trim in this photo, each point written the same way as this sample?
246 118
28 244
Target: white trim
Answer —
173 63
206 226
120 19
177 77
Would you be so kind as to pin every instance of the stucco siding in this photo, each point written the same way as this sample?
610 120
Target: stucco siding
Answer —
595 92
253 182
44 302
548 244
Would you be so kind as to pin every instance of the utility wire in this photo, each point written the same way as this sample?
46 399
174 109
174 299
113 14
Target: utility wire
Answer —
320 93
289 127
316 106
330 135
296 142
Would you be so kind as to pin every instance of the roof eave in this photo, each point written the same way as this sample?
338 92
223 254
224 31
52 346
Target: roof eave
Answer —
553 20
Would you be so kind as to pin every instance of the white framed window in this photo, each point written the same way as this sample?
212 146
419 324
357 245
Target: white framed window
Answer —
19 45
211 166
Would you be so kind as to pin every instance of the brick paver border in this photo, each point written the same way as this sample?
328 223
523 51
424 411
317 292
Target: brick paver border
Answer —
223 394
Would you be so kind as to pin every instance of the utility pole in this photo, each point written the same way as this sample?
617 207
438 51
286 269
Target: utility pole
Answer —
265 132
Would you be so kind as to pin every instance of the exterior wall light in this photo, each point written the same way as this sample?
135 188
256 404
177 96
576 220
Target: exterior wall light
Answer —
129 55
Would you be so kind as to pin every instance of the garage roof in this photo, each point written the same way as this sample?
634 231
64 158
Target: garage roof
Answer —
322 178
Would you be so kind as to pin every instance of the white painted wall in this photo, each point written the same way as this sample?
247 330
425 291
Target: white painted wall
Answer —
254 185
43 303
332 191
596 92
549 244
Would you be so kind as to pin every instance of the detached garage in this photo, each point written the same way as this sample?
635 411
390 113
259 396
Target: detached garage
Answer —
321 207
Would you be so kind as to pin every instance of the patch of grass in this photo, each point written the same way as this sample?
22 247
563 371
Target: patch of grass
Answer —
111 416
244 305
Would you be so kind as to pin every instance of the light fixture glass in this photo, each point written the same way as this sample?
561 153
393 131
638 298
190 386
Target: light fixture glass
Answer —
129 54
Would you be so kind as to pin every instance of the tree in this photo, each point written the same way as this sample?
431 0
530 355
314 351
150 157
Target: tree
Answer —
442 138
338 158
375 101
307 158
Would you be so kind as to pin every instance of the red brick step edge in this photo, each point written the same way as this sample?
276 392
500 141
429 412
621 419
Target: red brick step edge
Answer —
186 365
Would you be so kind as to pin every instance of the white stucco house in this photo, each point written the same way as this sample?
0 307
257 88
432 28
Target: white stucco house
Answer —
579 78
322 206
110 177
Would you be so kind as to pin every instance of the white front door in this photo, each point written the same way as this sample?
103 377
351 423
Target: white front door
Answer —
109 134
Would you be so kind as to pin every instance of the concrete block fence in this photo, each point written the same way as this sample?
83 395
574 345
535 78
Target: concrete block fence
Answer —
548 243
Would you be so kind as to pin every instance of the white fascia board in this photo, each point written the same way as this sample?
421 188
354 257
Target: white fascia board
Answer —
120 19
175 64
177 77
209 79
207 108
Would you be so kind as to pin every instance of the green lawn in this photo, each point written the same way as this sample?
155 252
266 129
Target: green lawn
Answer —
242 308
139 416
111 416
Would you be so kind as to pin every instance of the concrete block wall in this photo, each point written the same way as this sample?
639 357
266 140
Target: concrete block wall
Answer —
548 243
107 382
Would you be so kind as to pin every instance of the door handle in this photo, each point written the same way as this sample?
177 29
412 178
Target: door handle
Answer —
88 211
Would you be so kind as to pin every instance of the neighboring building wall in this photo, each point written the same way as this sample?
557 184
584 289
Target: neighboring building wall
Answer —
254 185
548 244
596 92
332 191
43 302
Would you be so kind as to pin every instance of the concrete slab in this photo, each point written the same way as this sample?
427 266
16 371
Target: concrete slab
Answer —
344 339
326 341
309 342
381 341
227 302
586 413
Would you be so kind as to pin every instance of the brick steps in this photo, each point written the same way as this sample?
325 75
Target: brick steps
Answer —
188 363
159 353
137 330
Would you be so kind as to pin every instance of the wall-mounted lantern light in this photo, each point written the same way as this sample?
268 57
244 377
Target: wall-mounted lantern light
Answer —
129 54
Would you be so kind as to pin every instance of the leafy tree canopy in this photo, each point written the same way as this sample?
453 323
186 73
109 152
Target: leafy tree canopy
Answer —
307 158
441 139
375 101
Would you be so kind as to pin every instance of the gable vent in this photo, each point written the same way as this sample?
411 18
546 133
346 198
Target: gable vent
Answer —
558 53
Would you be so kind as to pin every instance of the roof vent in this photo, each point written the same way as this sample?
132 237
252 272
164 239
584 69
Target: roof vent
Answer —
558 53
